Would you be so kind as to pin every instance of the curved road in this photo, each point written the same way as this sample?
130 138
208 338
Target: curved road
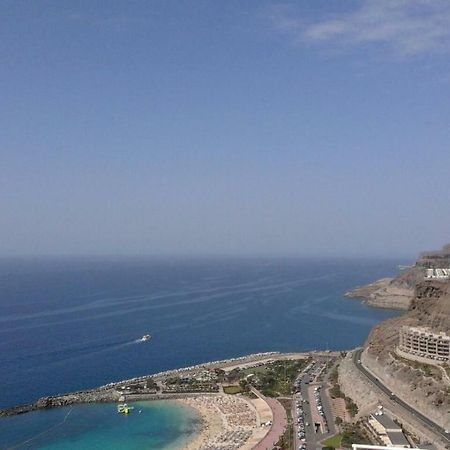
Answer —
279 422
429 423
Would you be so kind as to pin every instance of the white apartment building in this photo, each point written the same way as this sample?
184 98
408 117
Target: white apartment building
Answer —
424 343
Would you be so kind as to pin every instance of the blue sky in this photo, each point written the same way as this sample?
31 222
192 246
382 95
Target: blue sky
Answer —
203 127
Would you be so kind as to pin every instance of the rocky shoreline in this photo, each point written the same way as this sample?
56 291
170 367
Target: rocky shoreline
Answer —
428 303
89 396
398 293
420 384
113 392
384 293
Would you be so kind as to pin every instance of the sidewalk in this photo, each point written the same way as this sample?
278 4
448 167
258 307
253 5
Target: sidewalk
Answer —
278 426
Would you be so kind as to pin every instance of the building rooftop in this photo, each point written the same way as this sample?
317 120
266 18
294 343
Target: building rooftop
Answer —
386 422
398 438
425 330
393 430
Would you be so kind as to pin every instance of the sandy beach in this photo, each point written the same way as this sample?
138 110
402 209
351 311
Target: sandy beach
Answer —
228 421
211 423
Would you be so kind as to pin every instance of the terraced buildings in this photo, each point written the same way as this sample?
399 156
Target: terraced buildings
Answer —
422 342
437 274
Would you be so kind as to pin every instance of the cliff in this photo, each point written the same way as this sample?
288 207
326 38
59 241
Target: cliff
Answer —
384 293
399 292
427 302
440 258
424 386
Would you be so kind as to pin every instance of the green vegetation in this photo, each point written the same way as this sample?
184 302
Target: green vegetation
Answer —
233 389
333 442
178 384
245 386
234 375
273 379
286 441
334 375
336 392
351 406
354 433
255 370
278 377
287 405
220 375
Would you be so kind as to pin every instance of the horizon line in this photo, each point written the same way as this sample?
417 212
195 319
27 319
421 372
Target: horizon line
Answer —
204 256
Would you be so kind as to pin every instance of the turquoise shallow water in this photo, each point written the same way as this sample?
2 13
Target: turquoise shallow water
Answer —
160 425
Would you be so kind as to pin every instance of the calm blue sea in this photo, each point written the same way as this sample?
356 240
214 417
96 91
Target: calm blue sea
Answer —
73 324
158 425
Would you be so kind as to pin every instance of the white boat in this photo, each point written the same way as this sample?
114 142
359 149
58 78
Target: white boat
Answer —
145 338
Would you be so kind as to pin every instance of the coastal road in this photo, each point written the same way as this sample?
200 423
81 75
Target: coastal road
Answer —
425 420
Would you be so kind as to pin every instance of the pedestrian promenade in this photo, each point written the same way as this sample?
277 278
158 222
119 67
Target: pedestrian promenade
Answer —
278 426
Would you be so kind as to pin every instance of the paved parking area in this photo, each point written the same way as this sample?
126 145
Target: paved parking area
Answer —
316 417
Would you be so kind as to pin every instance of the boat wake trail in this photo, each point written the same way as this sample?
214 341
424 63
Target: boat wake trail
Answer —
38 360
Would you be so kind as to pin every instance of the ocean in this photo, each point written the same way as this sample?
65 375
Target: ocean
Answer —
69 324
151 425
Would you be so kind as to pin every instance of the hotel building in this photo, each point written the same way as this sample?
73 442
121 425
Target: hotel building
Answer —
423 343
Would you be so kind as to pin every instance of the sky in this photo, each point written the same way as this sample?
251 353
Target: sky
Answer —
305 128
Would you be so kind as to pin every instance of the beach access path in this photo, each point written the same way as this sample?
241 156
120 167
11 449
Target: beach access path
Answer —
279 422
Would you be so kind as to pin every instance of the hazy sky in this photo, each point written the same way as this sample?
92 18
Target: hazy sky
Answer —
231 127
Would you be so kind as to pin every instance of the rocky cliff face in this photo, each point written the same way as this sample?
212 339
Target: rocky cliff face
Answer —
355 386
431 305
424 386
399 292
422 389
427 303
384 293
440 258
